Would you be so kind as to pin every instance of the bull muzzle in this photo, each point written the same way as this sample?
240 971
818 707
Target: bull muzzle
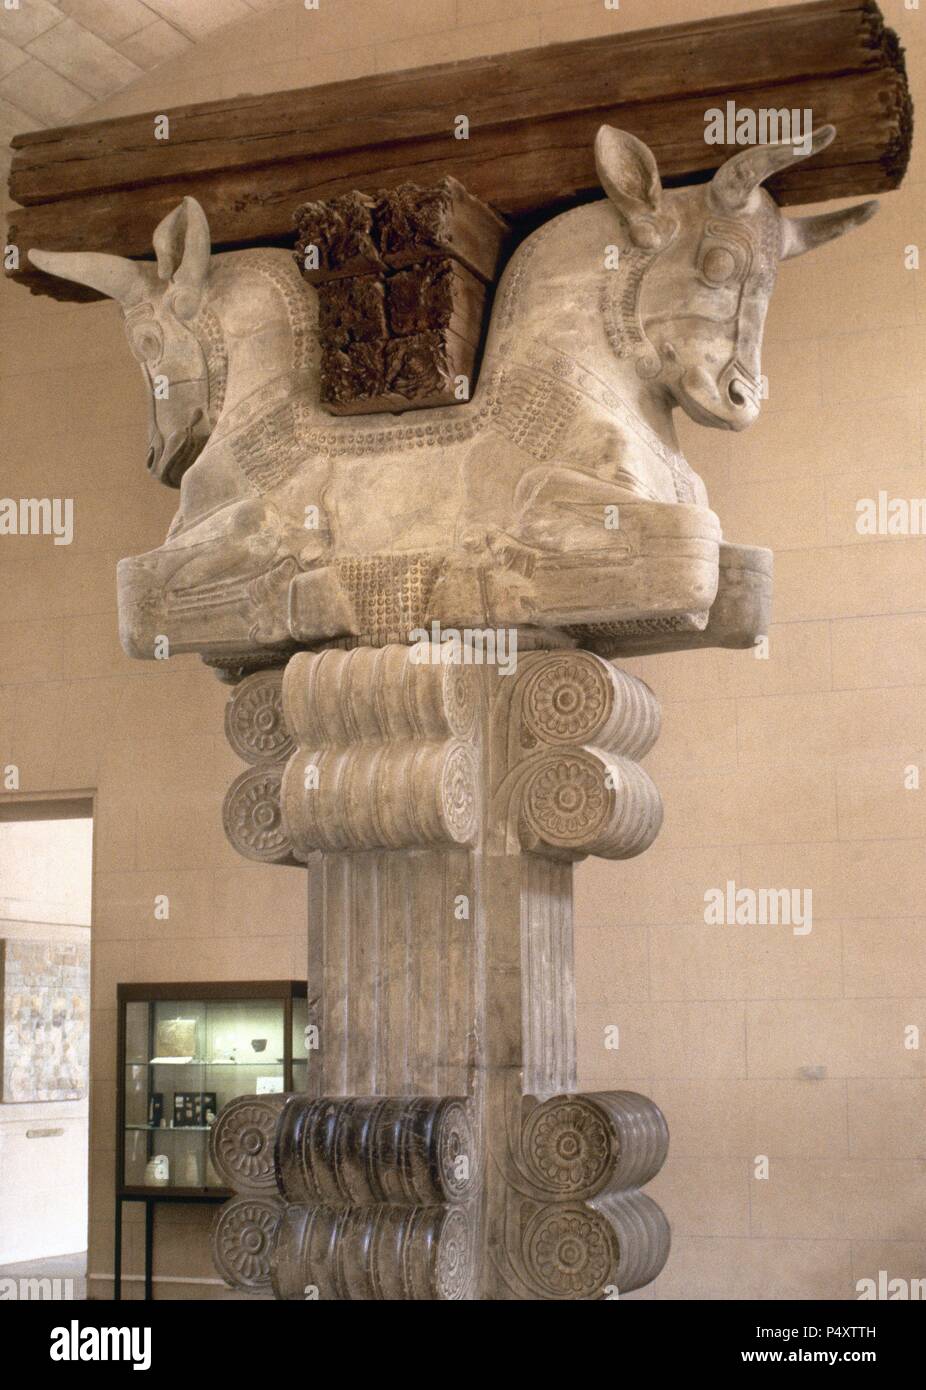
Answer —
169 459
730 400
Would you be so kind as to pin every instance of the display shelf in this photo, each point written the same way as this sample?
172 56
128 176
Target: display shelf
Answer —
201 1062
171 1129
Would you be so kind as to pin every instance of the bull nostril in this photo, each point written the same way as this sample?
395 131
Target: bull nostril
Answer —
736 393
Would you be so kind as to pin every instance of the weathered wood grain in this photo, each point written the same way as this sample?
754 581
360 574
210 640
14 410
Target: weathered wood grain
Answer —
532 117
663 64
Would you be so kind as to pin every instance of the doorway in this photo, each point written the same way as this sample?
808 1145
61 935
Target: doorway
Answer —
46 874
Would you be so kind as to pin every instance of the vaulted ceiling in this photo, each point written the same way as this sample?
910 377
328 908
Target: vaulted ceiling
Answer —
58 58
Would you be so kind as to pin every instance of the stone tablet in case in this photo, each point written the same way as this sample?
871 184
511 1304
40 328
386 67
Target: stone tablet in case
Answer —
176 1037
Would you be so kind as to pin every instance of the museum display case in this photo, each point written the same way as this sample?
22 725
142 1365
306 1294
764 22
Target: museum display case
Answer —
185 1051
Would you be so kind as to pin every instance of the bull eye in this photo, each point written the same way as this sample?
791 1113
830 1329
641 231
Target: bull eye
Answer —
148 344
718 265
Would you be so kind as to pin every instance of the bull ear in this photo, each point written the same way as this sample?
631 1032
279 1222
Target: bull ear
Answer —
127 281
183 247
628 173
800 234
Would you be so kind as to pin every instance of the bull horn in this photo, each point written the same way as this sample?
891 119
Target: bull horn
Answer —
120 279
735 181
800 234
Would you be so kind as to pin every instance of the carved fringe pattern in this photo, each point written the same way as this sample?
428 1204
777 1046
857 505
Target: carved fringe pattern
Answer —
208 332
406 1171
620 308
390 594
608 635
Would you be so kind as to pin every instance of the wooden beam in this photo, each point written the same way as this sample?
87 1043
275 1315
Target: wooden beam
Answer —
532 118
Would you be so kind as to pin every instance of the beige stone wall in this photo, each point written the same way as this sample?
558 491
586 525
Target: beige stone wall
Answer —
786 772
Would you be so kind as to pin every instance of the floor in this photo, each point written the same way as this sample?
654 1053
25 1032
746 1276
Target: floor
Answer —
62 1276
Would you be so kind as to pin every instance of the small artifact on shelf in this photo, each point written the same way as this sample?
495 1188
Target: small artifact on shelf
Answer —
192 1176
191 1107
157 1171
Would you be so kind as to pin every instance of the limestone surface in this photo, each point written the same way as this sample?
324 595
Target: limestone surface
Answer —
556 499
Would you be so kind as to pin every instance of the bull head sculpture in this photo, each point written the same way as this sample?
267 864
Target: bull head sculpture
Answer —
166 331
713 252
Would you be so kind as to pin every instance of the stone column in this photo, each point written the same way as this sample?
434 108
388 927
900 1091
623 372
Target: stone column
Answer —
441 1149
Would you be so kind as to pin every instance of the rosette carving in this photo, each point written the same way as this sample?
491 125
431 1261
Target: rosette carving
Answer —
581 801
459 699
243 1239
455 1254
570 1252
254 722
569 783
566 801
458 794
579 1145
457 1161
242 1139
568 1147
567 699
252 817
575 697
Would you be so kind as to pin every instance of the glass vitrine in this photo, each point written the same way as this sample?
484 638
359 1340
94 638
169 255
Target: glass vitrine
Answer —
185 1051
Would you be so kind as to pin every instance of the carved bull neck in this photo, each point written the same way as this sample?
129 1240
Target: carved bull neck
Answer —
601 348
267 321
